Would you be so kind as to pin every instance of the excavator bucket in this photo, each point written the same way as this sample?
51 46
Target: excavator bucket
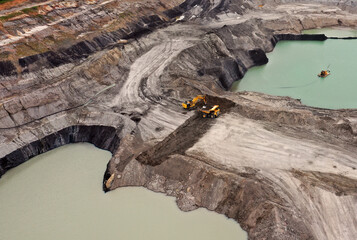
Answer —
185 105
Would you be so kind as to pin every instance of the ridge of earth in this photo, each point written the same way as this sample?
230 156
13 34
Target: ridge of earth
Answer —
282 170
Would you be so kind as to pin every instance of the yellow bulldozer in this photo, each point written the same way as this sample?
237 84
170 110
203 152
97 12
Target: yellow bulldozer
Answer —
192 103
213 112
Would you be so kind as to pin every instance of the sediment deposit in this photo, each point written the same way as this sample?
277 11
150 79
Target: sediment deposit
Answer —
281 169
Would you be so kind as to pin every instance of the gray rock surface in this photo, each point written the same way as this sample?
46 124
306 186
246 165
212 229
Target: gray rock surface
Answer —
281 169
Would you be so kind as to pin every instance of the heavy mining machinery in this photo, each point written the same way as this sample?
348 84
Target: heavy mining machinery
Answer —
210 112
192 103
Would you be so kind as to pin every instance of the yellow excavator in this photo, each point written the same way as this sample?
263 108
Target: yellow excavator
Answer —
210 112
191 103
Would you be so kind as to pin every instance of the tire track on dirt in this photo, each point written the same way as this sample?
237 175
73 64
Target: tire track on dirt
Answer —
149 66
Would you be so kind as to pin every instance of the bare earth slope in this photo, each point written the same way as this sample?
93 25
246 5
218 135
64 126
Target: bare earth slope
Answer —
122 68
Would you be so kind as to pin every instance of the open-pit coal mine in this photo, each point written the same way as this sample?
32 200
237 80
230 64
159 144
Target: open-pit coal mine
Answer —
115 74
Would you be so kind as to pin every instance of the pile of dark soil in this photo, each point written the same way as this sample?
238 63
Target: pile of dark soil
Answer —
184 136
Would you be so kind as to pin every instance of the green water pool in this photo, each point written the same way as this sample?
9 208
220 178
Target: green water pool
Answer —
292 71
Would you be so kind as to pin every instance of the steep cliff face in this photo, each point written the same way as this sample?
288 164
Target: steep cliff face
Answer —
55 40
101 136
272 164
54 31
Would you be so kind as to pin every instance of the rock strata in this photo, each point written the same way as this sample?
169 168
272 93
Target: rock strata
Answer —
101 136
281 169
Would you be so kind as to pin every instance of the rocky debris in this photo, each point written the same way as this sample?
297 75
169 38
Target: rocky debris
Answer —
281 169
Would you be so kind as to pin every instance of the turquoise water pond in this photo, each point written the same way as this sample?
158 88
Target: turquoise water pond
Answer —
292 71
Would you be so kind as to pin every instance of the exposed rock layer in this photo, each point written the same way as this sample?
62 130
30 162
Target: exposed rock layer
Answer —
101 136
281 169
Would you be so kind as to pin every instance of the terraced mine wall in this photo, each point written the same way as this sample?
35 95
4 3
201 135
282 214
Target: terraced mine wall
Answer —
101 136
83 49
259 198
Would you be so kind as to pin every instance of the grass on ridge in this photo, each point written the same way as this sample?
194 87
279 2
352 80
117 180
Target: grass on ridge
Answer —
11 15
14 14
5 1
29 10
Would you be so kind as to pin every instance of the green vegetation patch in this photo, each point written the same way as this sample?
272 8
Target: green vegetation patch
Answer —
30 10
4 55
11 15
125 14
23 50
5 1
41 16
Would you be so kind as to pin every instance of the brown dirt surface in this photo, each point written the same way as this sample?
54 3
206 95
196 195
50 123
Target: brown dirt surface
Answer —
338 184
11 4
2 29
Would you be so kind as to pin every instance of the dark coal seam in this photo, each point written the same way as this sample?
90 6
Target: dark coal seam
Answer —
126 33
104 137
342 38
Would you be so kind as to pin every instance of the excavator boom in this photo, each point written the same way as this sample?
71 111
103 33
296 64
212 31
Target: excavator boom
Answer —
191 103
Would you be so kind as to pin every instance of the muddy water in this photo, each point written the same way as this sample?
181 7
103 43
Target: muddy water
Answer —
292 71
58 195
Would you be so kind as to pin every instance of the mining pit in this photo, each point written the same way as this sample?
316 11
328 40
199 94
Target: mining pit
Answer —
114 73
